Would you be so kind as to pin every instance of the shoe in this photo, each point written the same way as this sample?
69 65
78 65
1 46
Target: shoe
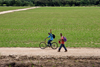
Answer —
48 46
65 50
58 50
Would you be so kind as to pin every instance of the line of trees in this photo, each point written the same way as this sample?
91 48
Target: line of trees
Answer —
49 2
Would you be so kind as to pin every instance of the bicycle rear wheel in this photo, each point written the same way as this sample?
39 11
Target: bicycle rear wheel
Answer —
54 45
42 45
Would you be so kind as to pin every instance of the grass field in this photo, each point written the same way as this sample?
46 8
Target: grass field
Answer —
80 25
10 8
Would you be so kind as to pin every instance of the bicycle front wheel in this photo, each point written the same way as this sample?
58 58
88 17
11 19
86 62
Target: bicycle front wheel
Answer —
42 45
54 45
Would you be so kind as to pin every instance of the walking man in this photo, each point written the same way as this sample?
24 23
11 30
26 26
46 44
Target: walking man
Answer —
62 43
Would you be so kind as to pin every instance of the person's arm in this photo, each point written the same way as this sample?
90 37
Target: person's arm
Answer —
59 39
62 39
50 30
46 38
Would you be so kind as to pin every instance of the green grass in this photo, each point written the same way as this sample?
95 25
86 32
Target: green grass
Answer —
10 8
80 25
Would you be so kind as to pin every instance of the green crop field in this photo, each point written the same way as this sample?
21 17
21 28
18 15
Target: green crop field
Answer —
80 25
10 8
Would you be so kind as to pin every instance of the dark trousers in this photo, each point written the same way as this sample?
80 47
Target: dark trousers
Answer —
49 42
62 45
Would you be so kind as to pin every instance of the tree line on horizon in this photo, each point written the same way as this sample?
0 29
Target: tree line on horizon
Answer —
49 2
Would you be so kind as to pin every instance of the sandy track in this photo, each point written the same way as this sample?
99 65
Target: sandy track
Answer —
9 11
83 52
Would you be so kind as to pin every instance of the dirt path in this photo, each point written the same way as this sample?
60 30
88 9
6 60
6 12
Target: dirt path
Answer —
9 11
36 57
83 52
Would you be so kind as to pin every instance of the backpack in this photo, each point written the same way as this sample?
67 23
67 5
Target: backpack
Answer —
65 39
53 35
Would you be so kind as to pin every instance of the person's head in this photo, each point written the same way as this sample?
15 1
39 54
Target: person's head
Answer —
48 33
60 34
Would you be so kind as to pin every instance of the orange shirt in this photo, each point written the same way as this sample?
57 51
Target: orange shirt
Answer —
62 40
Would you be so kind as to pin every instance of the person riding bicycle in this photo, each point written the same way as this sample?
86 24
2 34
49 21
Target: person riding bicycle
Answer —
51 38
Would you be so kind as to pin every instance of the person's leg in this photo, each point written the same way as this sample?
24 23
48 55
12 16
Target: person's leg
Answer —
64 47
50 42
60 48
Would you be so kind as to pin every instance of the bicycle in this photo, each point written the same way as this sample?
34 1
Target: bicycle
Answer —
44 44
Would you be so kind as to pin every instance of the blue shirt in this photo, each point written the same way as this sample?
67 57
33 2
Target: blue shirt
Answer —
50 36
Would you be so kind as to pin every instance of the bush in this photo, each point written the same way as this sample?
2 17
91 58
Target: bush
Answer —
67 5
98 4
73 5
31 4
49 2
4 5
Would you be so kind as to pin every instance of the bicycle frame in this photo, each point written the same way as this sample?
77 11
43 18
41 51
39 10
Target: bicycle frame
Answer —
45 41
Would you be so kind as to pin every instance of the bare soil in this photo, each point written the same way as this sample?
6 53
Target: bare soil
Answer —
36 57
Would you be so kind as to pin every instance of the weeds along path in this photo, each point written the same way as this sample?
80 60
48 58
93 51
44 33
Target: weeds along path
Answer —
77 52
9 11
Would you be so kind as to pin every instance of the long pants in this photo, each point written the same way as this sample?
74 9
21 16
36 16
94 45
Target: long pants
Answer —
49 42
62 45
